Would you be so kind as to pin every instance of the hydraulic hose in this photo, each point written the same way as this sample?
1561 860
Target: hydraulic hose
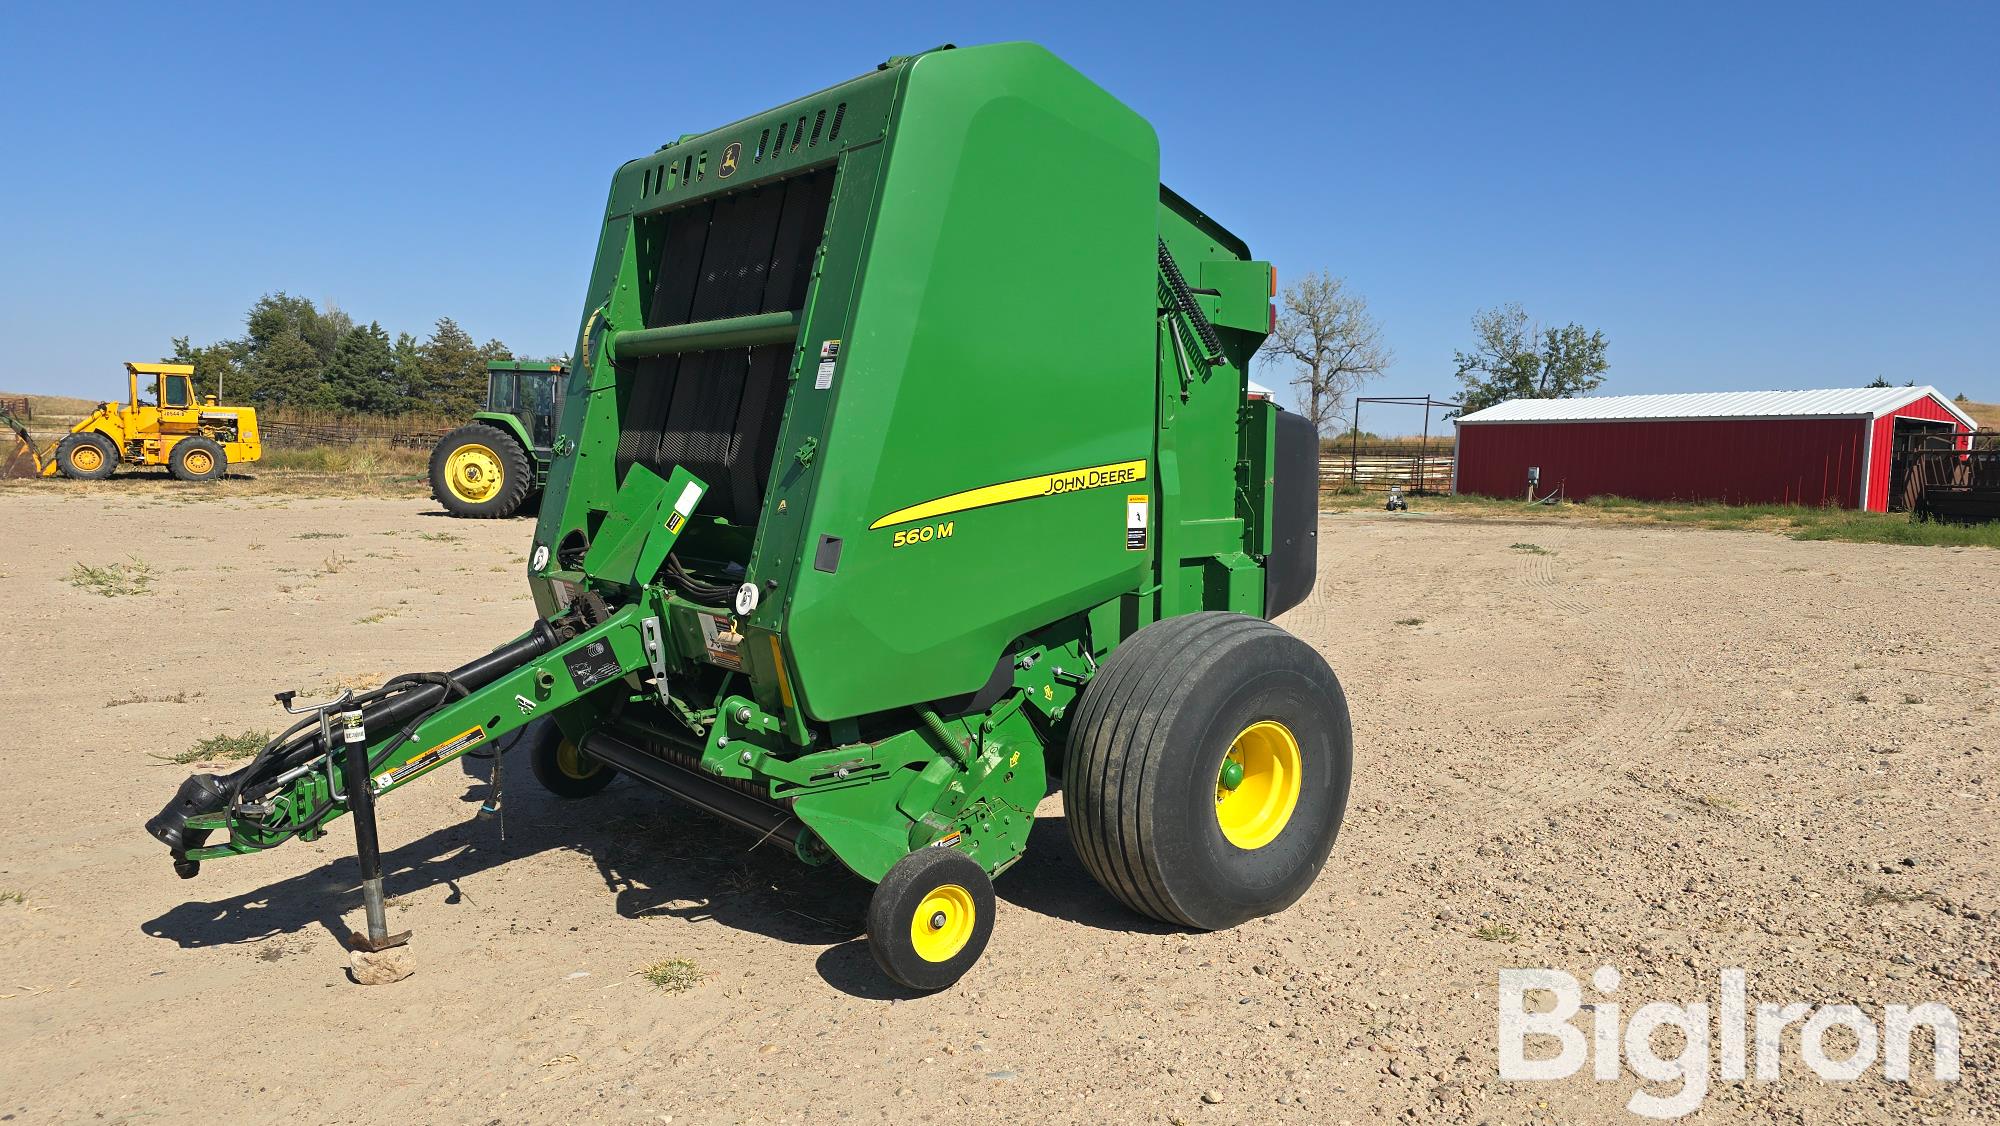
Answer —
403 702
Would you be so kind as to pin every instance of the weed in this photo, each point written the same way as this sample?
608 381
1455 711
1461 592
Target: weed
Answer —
676 975
1496 932
7 897
439 537
1531 548
377 616
320 536
1409 621
1714 801
1912 698
335 564
113 580
182 697
224 748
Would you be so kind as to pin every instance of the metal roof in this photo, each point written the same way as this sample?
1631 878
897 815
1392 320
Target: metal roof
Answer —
1839 402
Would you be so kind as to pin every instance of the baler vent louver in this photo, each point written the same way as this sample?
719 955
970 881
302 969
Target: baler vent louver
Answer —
663 178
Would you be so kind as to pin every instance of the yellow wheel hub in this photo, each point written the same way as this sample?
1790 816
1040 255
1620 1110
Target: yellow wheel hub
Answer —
571 762
943 923
1258 787
89 459
473 473
198 461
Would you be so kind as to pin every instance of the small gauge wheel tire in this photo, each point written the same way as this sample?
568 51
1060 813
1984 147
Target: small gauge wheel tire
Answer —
86 457
561 767
197 459
930 918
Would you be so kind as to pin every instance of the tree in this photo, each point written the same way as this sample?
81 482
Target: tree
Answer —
218 367
1329 342
1512 361
452 370
362 374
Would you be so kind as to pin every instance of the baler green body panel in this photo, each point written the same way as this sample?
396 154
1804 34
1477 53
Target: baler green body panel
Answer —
1001 331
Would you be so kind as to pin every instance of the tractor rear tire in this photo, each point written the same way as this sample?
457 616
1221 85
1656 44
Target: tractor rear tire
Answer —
930 918
560 767
197 459
86 457
481 472
1207 771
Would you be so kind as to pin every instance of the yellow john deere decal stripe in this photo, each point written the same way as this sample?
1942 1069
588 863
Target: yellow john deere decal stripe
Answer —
1069 481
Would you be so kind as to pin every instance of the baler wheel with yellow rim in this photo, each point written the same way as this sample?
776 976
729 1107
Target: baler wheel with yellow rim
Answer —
1207 769
930 918
560 767
481 471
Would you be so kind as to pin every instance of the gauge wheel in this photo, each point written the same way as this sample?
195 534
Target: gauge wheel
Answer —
930 917
1207 770
86 457
561 767
480 471
197 459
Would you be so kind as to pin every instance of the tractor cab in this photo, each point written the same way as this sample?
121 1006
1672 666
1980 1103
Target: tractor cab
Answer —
529 393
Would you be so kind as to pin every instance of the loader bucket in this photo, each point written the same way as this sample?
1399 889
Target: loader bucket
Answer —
18 456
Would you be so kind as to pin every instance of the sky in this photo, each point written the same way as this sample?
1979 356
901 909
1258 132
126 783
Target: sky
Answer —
1740 196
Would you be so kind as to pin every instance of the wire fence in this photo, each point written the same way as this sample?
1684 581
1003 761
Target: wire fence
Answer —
287 428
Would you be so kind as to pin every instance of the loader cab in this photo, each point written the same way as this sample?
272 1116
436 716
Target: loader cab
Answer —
173 397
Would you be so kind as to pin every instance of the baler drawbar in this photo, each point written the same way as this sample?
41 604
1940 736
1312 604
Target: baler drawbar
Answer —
905 474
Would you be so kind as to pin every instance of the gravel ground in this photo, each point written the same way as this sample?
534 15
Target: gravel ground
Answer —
1668 751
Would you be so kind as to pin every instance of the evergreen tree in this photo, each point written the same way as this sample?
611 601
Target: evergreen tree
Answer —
362 374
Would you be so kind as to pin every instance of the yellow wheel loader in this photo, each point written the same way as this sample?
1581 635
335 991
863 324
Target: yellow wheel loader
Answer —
195 440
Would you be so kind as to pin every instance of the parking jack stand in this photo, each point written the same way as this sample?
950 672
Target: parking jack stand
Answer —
368 848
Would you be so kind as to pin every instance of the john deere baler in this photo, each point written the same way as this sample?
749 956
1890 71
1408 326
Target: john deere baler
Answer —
905 474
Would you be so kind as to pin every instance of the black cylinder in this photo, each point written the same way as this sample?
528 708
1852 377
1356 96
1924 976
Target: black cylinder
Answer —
704 793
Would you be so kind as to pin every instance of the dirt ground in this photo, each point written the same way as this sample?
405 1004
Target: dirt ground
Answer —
1669 751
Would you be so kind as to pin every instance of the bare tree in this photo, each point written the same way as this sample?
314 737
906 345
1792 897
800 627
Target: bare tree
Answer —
1329 342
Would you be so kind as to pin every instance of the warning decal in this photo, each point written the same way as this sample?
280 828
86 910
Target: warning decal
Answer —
444 752
1135 522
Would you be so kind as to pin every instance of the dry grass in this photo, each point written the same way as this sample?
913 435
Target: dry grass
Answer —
223 748
1796 521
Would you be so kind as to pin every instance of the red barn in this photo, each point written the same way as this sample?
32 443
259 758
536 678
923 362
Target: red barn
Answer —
1741 447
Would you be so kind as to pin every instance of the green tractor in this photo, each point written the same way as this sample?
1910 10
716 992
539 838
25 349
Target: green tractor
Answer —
494 465
906 474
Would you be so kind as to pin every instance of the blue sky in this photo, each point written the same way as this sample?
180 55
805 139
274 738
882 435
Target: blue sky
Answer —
1740 196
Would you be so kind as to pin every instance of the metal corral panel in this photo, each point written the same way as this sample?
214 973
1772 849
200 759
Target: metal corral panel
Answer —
1750 461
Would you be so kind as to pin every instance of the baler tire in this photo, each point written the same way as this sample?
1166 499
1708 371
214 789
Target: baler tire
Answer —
197 458
489 447
106 457
1146 791
560 767
930 918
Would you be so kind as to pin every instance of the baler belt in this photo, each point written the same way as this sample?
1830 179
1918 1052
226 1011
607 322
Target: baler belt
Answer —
717 412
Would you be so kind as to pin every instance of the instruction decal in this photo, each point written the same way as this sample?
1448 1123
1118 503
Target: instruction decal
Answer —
526 705
829 358
1135 521
719 636
591 665
442 753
